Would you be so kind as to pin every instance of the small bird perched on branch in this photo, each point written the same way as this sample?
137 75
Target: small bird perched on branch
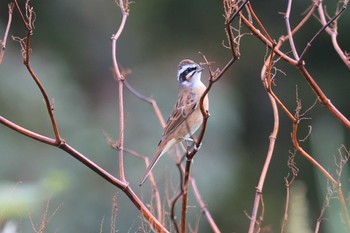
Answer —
186 116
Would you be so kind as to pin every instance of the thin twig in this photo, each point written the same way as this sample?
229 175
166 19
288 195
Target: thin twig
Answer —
192 180
26 59
120 79
151 177
203 206
4 40
267 42
334 33
185 195
289 31
273 137
252 12
323 98
154 185
177 197
214 77
335 17
288 183
151 101
334 182
319 93
234 15
93 166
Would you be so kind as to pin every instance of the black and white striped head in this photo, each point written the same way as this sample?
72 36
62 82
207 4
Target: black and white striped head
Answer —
189 73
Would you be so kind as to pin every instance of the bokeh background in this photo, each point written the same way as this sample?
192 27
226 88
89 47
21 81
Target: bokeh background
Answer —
72 57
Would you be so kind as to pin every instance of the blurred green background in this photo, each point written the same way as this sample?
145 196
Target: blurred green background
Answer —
72 57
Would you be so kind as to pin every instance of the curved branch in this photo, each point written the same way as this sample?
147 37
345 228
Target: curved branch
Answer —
124 8
26 59
272 138
124 186
333 31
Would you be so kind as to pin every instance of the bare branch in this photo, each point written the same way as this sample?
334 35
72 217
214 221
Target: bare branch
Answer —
326 25
25 45
124 7
273 137
333 31
290 35
4 40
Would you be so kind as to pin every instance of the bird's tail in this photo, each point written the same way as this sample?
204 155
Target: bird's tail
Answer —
163 147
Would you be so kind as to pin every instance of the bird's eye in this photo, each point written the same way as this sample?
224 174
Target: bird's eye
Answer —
183 75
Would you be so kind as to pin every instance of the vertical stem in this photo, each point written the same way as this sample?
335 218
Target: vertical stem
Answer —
290 35
185 196
120 79
121 130
3 42
260 186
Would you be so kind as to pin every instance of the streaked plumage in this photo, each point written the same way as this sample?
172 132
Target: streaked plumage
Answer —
186 116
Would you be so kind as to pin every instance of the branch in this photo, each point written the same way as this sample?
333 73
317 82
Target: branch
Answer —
288 183
125 12
273 137
329 31
290 35
4 40
203 206
213 77
29 25
150 101
124 186
336 183
323 98
333 32
299 65
160 117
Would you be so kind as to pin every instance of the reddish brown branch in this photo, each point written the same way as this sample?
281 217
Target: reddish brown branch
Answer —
231 17
4 40
290 35
266 70
259 188
213 77
335 183
288 183
124 186
251 11
323 98
203 206
151 101
125 13
177 197
28 23
267 42
160 212
151 177
326 25
299 64
185 196
181 170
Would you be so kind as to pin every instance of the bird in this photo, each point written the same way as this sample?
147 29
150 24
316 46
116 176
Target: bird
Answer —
186 116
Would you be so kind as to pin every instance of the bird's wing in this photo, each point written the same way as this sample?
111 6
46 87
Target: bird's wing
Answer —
184 107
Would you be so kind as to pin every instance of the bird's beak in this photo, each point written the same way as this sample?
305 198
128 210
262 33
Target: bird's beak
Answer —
200 69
